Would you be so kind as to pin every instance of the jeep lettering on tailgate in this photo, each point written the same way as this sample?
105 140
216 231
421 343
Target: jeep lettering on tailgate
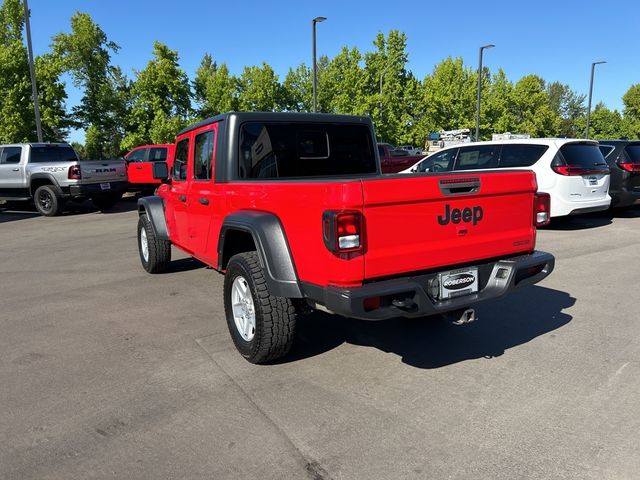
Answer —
467 215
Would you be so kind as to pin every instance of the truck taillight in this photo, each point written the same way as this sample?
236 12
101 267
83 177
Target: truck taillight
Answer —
541 209
630 167
74 172
342 231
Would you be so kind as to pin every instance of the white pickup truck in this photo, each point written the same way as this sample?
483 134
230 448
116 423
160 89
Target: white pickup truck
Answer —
51 173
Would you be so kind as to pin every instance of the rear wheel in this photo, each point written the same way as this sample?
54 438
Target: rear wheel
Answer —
155 254
261 325
47 201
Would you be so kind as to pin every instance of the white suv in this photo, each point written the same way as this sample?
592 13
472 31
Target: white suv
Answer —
573 172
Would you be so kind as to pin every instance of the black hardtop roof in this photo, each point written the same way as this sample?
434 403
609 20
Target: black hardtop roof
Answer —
279 117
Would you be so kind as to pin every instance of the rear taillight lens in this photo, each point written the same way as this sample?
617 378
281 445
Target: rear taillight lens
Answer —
572 171
541 209
74 172
342 231
630 167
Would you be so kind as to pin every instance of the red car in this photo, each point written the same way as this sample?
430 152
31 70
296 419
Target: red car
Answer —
292 208
140 162
394 160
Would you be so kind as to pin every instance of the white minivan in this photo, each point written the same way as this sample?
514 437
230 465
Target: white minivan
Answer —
572 171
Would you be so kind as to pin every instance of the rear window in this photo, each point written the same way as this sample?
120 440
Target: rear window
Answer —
285 150
158 154
606 149
582 155
52 154
473 158
521 155
633 152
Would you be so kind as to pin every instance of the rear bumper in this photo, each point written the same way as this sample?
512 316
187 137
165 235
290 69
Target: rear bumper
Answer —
561 207
624 198
91 189
411 292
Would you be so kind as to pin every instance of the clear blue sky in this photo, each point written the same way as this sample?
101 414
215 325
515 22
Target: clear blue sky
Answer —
557 40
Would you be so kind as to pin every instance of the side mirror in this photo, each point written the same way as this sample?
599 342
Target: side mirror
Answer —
161 171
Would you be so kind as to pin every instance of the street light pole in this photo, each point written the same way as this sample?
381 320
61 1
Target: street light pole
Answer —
381 77
482 48
315 73
32 71
593 68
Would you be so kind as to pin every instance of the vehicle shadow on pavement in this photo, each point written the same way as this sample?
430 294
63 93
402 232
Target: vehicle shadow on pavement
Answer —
593 220
434 342
14 215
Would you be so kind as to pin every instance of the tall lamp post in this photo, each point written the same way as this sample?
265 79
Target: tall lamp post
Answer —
593 68
32 71
315 72
381 77
482 48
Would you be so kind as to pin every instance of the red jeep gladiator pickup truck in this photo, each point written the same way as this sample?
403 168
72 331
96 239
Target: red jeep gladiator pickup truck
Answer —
140 162
292 208
396 160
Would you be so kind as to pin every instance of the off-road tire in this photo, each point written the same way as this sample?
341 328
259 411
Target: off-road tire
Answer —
105 201
158 251
275 317
47 201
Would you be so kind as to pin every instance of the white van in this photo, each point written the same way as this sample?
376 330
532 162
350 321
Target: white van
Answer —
573 172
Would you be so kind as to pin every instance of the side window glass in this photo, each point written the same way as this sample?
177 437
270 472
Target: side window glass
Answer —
606 150
179 171
439 162
521 155
158 154
10 155
203 156
137 155
476 158
380 151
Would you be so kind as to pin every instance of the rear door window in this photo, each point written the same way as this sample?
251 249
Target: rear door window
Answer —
10 155
521 155
203 155
606 150
584 155
289 150
476 158
157 154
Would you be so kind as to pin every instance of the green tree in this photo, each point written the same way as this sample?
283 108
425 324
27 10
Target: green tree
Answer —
631 101
343 84
17 117
604 124
86 54
259 90
160 100
449 96
531 108
568 106
496 114
298 89
215 89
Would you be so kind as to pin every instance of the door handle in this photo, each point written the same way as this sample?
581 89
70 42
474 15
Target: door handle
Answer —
182 198
204 201
15 170
138 168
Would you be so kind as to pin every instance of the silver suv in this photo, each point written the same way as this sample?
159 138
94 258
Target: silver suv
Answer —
51 173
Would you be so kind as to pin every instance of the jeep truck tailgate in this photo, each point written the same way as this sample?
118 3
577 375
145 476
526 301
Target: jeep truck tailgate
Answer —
422 222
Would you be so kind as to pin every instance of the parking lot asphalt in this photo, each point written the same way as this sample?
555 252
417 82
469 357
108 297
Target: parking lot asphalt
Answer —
108 372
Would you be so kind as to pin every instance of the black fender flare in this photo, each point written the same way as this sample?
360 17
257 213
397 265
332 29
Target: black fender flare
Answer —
153 207
46 176
272 246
